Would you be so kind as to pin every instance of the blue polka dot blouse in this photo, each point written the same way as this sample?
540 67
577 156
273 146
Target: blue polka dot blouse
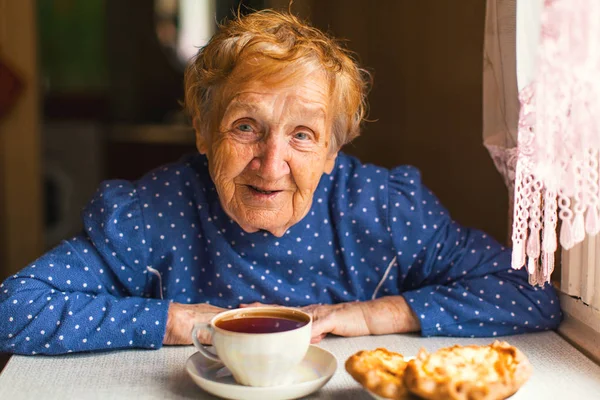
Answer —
370 232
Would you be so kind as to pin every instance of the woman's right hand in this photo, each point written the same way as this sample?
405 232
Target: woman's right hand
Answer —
181 320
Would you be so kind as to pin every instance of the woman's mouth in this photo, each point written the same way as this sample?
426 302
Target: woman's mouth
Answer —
263 191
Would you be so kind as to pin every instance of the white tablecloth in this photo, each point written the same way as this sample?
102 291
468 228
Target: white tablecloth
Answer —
560 371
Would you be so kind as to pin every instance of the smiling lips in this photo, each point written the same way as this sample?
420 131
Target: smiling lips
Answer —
263 191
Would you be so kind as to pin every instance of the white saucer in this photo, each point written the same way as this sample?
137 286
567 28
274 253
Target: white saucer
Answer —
313 372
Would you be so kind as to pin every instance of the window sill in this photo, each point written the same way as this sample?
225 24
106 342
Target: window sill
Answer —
581 326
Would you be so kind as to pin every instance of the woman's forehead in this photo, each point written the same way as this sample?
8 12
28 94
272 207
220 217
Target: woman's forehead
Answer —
310 94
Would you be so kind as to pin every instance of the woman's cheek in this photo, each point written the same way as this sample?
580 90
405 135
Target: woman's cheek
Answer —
307 173
231 157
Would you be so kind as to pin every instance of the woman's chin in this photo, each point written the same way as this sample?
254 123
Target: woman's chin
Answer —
254 220
275 216
277 231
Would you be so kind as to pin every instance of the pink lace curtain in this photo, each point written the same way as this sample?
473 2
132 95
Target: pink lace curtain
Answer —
559 138
555 163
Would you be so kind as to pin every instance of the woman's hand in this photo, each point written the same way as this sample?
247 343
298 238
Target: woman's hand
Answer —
181 320
343 319
376 317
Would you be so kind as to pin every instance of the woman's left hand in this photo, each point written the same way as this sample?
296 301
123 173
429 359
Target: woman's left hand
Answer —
342 319
376 317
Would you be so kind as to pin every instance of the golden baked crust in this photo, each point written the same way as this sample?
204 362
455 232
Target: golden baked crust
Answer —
491 372
379 371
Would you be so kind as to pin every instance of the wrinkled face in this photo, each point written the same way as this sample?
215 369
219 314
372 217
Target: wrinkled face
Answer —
270 152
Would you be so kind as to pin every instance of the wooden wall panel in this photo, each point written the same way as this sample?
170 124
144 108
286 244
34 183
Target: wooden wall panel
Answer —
20 182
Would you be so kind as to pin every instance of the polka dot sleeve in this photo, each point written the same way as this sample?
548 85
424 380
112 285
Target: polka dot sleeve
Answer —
89 292
458 281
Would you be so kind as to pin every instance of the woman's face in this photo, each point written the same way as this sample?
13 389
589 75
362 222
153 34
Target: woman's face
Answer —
270 152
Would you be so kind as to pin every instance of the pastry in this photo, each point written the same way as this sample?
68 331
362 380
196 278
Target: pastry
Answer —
490 372
379 371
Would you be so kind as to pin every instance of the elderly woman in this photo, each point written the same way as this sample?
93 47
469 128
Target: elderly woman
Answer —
269 211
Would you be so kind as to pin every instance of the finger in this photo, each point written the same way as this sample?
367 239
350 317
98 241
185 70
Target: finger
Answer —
322 326
204 336
255 304
318 338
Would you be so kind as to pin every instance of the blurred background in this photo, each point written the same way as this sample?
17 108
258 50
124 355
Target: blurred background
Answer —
90 90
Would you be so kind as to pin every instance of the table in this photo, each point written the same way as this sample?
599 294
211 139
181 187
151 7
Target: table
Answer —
560 371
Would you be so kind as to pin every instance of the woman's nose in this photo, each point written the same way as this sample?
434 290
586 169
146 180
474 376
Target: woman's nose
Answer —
273 159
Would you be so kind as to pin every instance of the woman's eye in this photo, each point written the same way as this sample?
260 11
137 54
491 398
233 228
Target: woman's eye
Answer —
302 136
245 127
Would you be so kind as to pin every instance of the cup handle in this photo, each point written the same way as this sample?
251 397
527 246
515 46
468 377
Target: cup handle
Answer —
201 348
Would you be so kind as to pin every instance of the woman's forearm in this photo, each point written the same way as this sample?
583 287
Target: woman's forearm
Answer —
390 314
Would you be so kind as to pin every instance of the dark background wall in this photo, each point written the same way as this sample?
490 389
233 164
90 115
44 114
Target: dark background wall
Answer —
426 59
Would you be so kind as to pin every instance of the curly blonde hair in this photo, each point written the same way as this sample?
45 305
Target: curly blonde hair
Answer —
275 45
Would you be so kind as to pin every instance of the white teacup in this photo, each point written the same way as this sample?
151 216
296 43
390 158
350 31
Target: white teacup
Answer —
260 346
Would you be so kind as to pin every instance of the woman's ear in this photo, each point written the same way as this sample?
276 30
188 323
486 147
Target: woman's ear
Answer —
201 142
330 163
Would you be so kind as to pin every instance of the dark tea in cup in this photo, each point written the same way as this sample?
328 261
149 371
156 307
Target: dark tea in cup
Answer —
262 322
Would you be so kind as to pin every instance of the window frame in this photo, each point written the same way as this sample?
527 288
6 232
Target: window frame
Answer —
580 296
